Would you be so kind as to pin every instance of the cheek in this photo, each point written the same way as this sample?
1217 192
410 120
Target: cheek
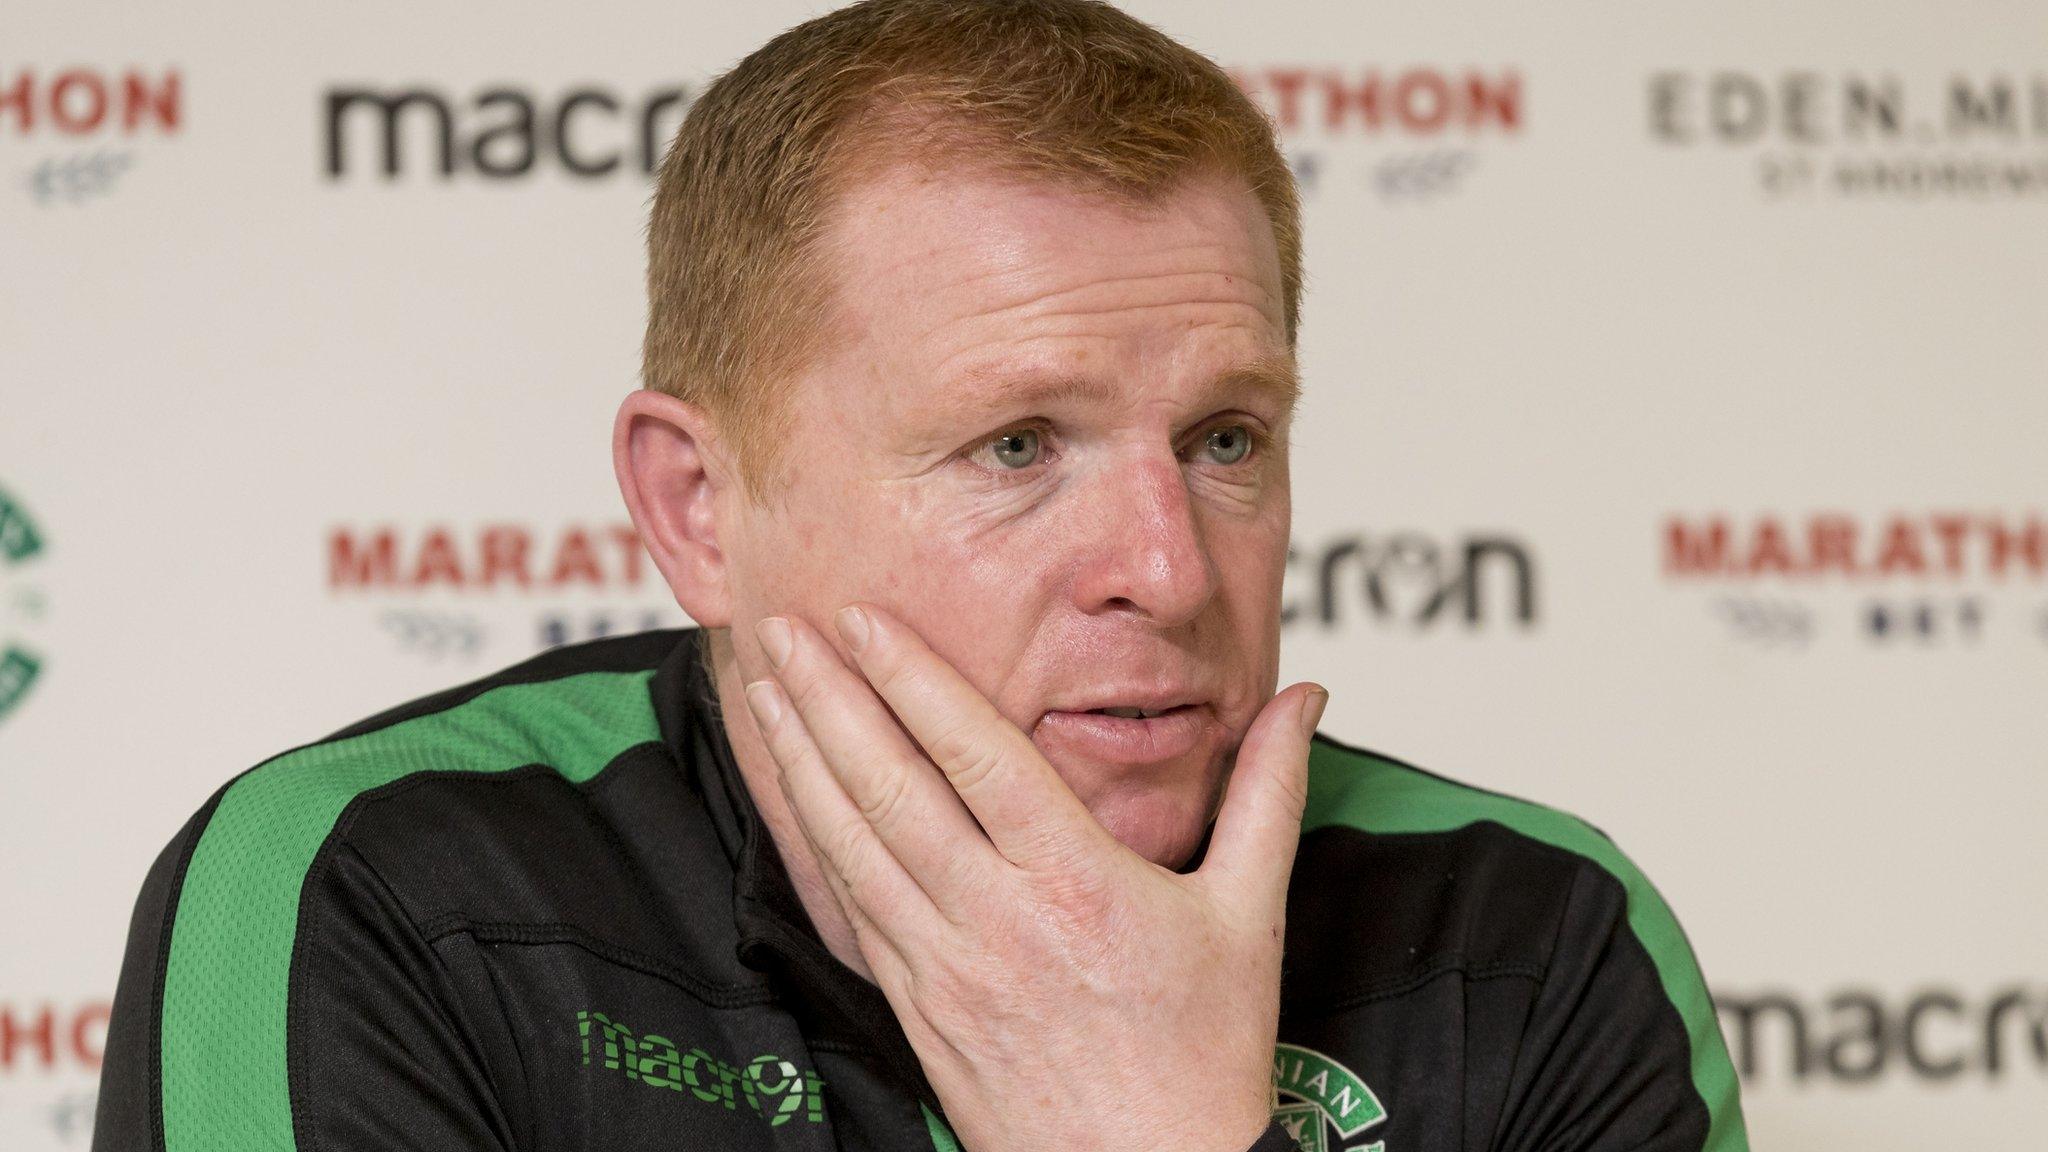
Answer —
816 546
1250 555
977 597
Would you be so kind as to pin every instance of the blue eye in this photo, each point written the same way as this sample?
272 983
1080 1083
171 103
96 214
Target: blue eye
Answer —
1229 444
1017 448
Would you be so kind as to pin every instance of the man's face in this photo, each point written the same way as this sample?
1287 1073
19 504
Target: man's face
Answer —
1052 438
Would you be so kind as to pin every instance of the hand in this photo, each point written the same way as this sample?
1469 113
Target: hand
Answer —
1061 991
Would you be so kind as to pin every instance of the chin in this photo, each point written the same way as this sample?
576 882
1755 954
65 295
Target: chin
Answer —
1160 810
1163 825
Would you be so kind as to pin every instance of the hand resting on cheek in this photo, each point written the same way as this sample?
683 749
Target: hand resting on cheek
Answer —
1060 990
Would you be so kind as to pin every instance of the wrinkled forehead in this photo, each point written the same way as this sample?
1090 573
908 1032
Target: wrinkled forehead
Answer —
961 284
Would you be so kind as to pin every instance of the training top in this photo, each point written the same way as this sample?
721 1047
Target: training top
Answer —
540 912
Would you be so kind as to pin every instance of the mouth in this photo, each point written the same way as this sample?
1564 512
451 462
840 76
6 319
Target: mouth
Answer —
1131 713
1127 734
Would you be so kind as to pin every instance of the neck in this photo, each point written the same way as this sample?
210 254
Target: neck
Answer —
763 778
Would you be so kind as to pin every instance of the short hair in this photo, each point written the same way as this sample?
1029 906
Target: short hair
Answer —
1075 92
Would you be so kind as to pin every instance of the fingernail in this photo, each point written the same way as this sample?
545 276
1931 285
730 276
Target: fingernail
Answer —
1312 711
766 704
776 640
853 626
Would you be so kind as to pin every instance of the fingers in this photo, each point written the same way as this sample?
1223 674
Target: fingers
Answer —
871 883
913 813
1251 851
1023 805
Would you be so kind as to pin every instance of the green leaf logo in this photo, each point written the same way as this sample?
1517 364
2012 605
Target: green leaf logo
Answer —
20 542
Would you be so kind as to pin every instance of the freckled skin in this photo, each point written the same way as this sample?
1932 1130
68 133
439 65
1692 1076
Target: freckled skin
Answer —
1123 554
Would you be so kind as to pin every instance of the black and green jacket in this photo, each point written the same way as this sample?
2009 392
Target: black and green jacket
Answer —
539 912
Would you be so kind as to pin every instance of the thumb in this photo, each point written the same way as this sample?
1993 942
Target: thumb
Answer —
1251 851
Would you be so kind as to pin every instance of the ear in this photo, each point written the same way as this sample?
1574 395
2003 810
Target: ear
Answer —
672 474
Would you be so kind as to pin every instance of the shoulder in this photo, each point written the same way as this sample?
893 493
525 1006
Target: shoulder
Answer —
211 954
1372 793
566 707
569 712
1404 875
1502 856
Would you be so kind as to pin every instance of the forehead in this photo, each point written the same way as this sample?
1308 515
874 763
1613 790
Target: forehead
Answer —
958 275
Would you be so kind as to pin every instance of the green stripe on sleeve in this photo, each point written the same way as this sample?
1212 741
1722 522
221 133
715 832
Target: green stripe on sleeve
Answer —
226 983
1358 790
942 1136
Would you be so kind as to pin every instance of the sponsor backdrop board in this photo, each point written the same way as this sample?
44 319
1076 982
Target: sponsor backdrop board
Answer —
1672 452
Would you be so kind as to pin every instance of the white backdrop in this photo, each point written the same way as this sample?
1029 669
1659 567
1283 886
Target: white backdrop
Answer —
1587 286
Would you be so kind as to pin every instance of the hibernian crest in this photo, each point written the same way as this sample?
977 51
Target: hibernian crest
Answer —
1321 1103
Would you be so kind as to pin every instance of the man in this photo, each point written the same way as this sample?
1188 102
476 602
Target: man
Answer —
970 818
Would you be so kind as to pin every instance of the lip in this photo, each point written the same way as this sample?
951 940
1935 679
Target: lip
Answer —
1175 732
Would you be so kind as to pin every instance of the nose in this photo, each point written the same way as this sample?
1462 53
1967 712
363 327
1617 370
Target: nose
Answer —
1148 557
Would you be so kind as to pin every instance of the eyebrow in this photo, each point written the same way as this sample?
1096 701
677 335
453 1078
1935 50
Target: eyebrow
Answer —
1272 374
